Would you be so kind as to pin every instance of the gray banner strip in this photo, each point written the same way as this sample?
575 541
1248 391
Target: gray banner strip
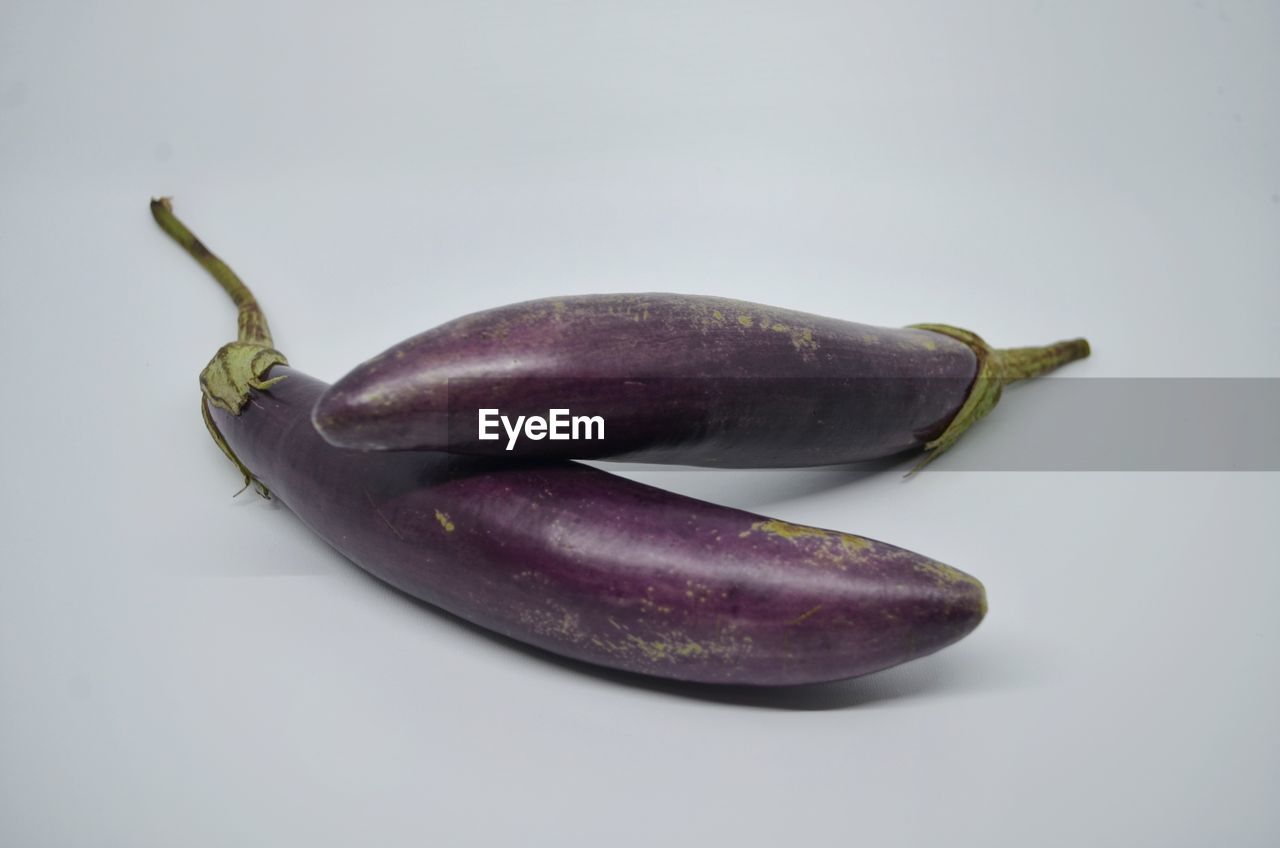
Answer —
1117 424
1127 424
1055 423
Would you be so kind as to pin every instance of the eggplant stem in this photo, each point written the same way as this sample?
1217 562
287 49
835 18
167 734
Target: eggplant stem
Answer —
252 322
996 369
238 366
1023 363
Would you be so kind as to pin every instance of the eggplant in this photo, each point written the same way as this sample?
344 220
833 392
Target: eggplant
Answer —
678 379
572 559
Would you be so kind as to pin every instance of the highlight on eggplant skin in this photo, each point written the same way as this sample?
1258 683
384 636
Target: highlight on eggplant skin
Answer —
572 559
680 379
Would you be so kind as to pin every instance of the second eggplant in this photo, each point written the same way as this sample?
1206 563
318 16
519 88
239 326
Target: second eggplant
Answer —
677 379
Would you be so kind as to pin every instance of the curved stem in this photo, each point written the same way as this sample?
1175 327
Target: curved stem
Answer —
252 322
238 366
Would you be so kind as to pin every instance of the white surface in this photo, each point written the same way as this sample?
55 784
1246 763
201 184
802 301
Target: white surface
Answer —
181 668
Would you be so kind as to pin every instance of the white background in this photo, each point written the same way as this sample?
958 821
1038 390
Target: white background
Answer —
181 668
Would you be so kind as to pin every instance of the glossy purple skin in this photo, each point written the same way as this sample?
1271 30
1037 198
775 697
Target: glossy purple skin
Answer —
595 567
677 379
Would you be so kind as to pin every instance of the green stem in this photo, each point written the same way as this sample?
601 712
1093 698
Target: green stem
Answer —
252 323
1023 363
239 366
996 369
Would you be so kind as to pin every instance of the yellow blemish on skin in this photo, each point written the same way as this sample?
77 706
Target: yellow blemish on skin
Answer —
650 607
657 650
745 320
556 622
717 314
946 575
801 337
668 645
640 640
443 518
676 645
837 548
802 616
787 530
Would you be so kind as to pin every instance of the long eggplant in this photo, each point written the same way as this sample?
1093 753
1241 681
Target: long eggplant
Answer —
572 559
678 379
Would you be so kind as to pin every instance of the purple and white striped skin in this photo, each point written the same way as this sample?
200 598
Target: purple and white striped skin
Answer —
677 379
595 567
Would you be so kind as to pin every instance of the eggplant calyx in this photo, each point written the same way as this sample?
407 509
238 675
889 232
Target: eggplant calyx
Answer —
997 368
235 369
225 383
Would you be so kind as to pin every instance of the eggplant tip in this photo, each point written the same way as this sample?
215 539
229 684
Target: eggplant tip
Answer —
329 417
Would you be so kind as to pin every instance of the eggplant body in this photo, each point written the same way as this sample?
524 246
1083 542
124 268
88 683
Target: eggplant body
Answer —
592 566
675 378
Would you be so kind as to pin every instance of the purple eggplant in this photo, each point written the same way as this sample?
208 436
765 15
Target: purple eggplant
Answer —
575 560
677 379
